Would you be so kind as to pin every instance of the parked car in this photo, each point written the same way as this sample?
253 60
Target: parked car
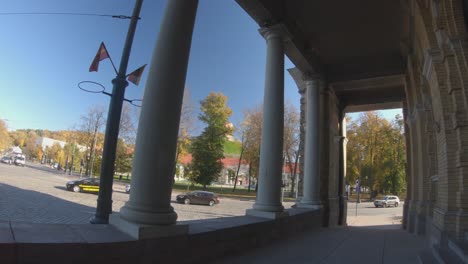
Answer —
19 161
7 160
387 201
127 188
198 197
84 185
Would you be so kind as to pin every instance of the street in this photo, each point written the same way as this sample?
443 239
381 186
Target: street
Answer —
370 216
36 193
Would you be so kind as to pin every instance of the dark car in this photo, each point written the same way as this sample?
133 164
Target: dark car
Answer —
84 185
198 197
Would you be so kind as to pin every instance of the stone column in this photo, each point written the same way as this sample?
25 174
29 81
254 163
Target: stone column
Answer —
149 213
268 203
311 194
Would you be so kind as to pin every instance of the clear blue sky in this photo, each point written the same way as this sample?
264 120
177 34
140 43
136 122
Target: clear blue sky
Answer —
45 56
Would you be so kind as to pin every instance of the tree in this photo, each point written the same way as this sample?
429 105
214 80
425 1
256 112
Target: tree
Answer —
376 153
19 137
240 156
124 157
91 124
186 126
30 149
5 141
127 127
126 141
291 142
252 124
208 148
56 153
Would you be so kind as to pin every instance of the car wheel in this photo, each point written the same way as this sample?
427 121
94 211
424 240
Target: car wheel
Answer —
396 204
376 206
211 203
187 201
76 188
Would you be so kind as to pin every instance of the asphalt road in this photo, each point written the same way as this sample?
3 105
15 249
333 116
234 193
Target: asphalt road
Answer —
36 193
368 215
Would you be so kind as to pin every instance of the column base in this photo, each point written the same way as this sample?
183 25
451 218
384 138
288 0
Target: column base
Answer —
266 214
141 231
309 204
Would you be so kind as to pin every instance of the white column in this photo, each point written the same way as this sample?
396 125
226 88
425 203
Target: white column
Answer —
311 194
268 203
149 213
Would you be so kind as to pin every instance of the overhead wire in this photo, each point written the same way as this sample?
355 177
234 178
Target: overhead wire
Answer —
64 13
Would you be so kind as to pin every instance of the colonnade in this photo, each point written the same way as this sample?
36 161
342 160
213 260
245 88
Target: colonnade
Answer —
148 212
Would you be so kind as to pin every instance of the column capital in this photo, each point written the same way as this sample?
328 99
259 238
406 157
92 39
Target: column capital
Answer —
314 81
308 76
275 31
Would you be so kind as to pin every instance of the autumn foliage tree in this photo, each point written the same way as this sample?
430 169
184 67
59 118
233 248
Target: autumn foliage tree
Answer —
4 136
208 148
376 152
291 142
252 130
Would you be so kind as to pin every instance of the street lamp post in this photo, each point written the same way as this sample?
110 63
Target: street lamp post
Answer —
104 202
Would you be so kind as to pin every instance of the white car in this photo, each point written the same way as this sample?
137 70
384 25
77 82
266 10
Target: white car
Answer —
19 161
387 201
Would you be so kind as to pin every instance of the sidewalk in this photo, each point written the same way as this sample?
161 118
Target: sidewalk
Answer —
373 236
339 245
376 222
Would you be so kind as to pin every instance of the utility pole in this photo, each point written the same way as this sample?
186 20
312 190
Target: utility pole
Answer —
104 201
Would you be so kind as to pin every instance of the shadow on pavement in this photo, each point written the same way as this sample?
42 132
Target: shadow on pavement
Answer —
34 207
61 188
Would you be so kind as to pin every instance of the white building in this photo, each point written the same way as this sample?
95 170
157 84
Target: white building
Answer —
45 142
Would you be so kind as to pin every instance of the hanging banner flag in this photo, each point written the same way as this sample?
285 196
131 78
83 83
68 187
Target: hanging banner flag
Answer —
135 76
101 55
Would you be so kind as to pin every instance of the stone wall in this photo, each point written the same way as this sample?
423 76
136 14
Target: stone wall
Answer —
329 160
437 119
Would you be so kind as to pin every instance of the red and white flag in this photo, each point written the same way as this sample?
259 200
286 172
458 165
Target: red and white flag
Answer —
135 76
101 55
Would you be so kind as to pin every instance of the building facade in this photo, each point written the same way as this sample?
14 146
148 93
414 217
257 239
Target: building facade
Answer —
349 56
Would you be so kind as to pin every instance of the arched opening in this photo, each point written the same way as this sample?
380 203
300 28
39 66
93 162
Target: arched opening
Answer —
375 178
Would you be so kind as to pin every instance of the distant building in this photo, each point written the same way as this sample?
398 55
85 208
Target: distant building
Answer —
44 142
231 163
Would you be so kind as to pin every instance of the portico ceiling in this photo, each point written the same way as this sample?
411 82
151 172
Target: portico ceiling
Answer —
343 40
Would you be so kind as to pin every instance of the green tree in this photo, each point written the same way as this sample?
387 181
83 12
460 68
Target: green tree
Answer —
124 157
208 148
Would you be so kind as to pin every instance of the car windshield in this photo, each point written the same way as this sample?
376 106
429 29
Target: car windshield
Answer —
386 198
